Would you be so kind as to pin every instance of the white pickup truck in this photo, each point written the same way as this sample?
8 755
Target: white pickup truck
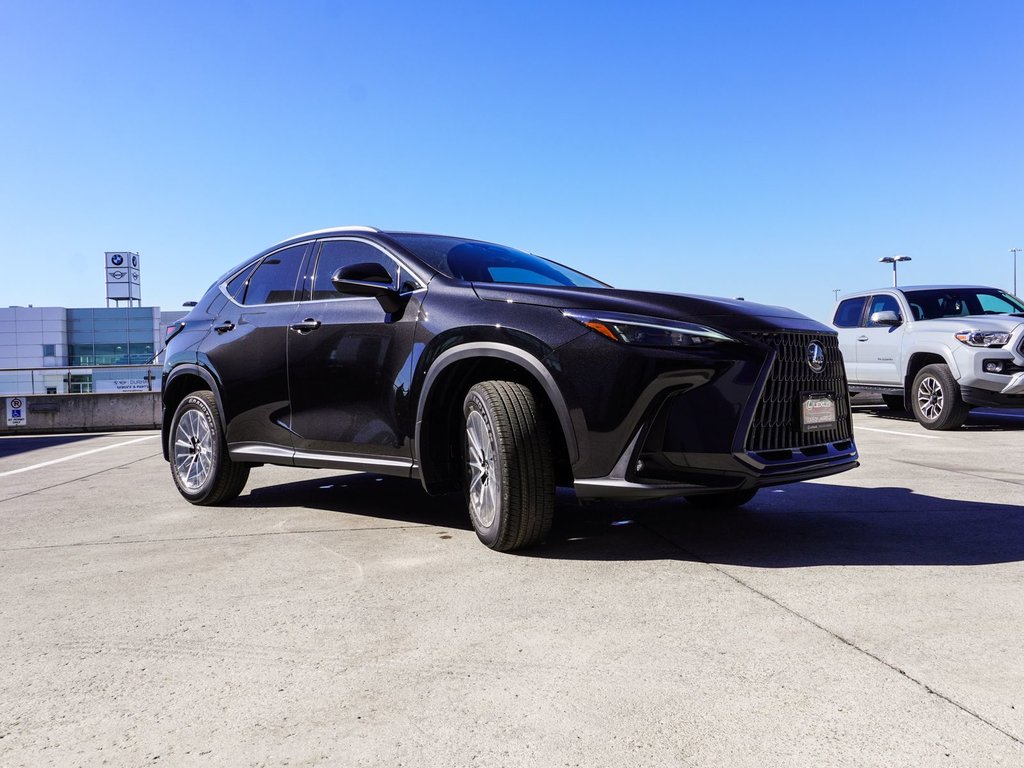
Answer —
937 350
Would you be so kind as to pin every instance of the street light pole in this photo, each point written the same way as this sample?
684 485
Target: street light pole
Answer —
835 294
894 260
1015 251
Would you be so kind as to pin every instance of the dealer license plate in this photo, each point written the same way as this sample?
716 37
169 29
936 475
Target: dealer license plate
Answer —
817 413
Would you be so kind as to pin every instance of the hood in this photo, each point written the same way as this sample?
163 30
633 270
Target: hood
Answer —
734 314
1006 323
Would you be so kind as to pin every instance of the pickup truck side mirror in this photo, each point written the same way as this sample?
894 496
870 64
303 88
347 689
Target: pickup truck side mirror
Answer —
887 318
368 279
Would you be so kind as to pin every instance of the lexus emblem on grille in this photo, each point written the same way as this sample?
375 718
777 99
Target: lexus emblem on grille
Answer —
816 356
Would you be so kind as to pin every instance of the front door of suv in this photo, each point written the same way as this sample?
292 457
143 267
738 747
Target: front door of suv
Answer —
350 363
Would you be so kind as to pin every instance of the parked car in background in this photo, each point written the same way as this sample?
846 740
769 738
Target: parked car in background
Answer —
475 366
937 350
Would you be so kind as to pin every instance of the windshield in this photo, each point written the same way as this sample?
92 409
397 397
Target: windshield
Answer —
480 262
958 302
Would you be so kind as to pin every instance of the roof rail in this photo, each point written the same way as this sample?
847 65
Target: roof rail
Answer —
348 228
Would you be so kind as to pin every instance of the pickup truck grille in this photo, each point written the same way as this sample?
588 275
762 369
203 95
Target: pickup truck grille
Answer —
776 423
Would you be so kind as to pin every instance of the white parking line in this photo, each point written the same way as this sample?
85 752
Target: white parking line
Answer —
76 456
893 432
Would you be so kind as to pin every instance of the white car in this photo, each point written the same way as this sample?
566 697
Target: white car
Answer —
937 350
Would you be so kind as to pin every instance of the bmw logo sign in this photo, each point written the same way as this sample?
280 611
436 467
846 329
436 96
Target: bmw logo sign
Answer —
135 260
117 259
816 356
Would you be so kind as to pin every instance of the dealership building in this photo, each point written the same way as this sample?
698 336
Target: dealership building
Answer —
58 350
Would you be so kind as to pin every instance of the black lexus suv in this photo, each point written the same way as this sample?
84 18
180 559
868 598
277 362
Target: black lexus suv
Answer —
475 366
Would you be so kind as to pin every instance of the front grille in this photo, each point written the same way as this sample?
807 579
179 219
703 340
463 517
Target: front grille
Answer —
776 423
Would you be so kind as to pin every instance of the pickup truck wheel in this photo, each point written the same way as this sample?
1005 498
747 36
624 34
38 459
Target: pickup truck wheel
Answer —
894 402
509 474
200 465
936 399
723 500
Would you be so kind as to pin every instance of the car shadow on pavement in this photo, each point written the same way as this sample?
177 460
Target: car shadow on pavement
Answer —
800 525
15 445
382 498
980 420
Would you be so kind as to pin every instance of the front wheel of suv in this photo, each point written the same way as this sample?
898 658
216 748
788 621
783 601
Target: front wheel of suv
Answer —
200 465
936 399
509 477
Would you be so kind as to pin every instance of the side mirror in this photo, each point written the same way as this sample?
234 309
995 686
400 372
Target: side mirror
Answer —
368 279
886 318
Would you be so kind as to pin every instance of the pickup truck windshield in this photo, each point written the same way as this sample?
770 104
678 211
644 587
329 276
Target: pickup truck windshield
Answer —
959 302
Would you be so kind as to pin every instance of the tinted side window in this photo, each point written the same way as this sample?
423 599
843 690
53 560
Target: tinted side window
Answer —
236 287
335 254
273 281
883 304
848 312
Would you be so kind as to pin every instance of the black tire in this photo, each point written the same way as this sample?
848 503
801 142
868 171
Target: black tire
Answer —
202 470
723 500
936 399
509 474
895 402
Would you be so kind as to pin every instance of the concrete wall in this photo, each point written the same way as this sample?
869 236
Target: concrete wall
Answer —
85 413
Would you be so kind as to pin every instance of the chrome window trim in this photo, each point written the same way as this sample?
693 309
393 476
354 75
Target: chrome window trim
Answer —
261 259
387 253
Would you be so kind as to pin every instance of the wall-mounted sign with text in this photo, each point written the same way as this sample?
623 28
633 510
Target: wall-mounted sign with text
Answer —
17 412
121 385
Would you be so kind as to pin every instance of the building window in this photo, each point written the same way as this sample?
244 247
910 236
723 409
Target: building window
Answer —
49 350
80 384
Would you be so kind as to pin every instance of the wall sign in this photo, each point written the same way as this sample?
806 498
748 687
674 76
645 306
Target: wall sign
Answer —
17 412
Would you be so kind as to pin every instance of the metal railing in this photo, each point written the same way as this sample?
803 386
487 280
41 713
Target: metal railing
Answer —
76 380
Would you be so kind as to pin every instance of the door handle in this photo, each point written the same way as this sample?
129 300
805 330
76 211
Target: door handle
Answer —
224 327
307 325
862 338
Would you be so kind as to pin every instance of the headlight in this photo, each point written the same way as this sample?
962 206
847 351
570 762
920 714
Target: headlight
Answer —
975 338
646 331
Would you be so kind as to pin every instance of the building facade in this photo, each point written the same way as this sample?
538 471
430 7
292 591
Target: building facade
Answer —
55 350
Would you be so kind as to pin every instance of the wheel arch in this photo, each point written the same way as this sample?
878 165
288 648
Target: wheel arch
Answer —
439 409
919 360
182 381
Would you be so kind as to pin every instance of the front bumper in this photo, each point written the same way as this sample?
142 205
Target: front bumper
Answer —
738 430
737 472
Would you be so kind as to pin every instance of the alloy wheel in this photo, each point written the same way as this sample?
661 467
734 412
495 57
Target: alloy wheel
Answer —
930 398
483 471
193 450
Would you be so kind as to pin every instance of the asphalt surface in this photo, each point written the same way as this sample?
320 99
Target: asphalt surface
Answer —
870 619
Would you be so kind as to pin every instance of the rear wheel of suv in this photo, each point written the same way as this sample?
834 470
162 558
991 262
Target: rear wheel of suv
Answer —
936 398
509 477
200 465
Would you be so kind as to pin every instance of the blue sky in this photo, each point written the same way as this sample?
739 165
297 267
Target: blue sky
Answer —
768 150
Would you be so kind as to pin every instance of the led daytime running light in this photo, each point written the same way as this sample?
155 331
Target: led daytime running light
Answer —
646 331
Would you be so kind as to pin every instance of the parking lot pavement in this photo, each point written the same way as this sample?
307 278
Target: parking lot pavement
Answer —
870 619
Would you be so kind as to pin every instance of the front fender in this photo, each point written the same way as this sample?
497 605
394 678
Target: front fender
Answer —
508 353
